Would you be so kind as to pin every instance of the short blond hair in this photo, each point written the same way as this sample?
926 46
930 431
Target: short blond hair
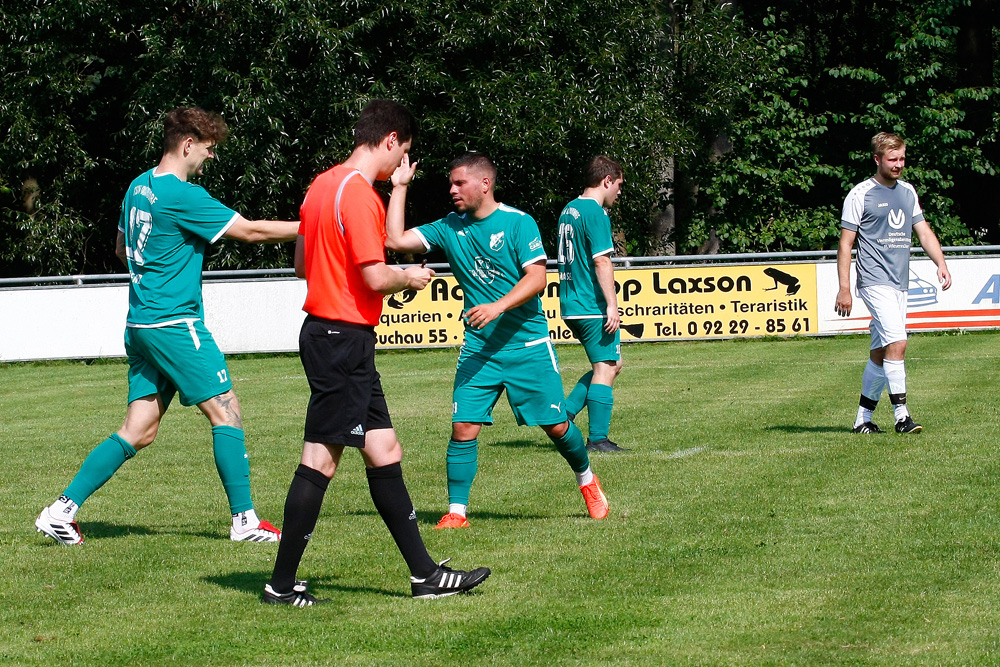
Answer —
886 141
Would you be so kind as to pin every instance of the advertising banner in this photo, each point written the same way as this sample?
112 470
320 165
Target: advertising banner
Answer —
656 304
972 302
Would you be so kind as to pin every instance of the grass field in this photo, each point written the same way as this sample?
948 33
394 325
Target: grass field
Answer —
747 525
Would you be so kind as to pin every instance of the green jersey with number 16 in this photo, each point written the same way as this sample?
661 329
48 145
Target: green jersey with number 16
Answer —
168 224
584 235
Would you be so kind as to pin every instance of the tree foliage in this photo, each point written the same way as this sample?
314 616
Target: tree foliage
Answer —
749 123
823 78
540 88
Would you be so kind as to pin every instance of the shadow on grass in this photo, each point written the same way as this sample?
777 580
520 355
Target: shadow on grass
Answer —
521 444
799 428
97 530
253 583
429 518
100 530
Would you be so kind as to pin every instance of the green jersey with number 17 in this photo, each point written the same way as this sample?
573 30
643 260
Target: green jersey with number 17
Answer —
168 224
488 257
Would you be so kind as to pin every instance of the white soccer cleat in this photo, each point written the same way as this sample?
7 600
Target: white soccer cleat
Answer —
264 532
64 532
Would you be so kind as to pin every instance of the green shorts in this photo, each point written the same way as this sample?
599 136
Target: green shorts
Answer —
181 358
599 344
529 374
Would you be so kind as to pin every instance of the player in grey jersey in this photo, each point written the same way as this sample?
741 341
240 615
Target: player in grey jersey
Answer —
882 214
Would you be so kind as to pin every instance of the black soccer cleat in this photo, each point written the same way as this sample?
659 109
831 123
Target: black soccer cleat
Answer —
907 425
867 427
604 445
298 597
445 581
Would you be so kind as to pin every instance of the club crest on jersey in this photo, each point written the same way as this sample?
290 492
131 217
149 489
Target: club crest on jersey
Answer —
496 241
897 218
484 270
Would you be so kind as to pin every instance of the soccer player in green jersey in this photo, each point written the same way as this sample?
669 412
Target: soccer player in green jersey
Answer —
496 255
587 299
165 227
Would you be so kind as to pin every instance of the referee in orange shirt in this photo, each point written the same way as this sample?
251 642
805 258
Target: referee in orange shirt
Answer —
340 251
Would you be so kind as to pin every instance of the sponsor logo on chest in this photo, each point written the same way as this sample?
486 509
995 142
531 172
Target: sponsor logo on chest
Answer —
897 218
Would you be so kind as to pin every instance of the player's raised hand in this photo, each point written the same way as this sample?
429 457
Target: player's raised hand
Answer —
417 277
404 172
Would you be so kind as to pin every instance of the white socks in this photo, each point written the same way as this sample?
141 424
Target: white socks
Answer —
244 521
63 509
457 508
584 478
895 376
872 381
872 386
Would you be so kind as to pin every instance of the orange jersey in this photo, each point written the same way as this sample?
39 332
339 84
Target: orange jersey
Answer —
343 225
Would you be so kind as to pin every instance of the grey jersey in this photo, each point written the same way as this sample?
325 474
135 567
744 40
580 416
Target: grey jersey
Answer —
883 219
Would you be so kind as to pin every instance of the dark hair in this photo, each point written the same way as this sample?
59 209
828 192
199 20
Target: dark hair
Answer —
886 141
600 168
477 162
185 122
379 118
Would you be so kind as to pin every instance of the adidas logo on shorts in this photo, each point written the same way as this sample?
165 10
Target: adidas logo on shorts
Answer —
358 430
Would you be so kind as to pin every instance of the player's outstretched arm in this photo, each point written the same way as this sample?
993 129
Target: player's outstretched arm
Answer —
929 242
120 248
396 236
844 299
262 231
531 283
385 279
300 257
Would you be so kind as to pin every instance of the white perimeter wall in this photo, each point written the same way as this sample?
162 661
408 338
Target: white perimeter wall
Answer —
82 322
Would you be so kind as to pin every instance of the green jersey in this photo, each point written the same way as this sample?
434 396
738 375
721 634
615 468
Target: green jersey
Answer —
584 234
168 224
488 257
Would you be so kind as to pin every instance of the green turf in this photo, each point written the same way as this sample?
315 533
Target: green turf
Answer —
747 525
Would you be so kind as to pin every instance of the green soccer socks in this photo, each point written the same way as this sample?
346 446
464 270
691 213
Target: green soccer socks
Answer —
233 464
572 448
600 402
578 397
462 463
102 462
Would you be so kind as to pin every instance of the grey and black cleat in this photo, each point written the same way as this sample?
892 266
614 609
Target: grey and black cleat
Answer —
604 445
907 425
297 597
867 427
445 581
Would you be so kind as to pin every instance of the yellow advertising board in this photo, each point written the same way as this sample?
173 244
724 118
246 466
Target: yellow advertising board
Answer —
666 303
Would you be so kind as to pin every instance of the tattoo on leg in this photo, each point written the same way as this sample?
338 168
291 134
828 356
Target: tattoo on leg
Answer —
228 403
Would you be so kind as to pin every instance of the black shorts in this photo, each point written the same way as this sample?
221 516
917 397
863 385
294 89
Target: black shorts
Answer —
347 399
